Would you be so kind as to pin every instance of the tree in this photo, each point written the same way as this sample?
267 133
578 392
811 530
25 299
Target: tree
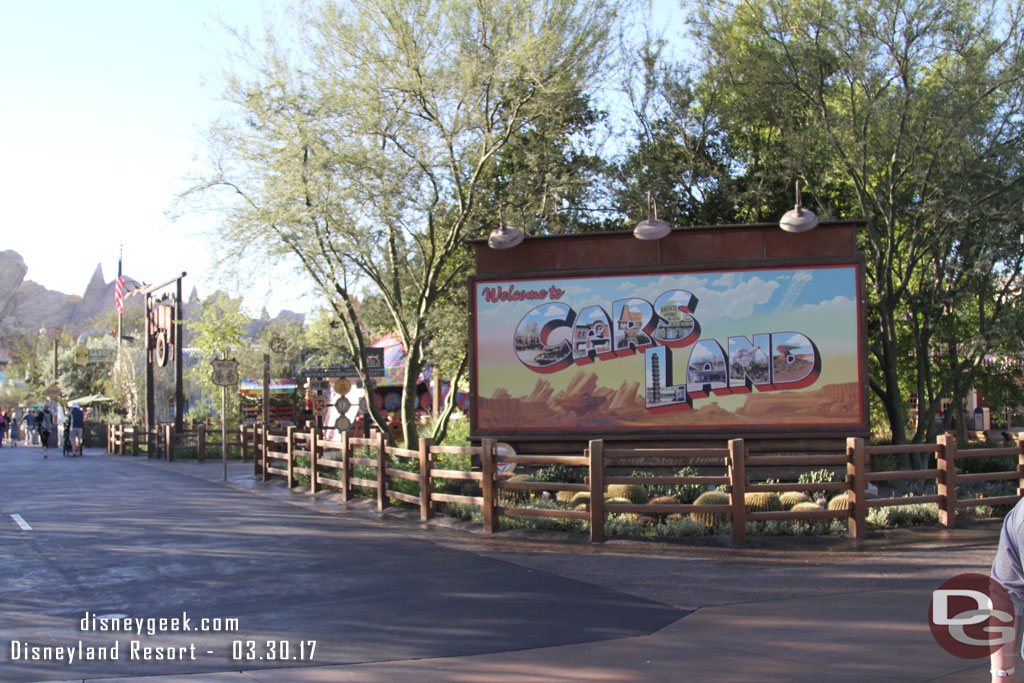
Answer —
219 332
364 152
905 113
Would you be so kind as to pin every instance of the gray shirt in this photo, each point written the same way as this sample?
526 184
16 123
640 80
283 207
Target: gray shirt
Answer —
1006 567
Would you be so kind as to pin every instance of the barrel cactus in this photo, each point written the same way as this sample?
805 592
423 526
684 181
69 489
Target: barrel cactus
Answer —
565 497
840 502
710 519
791 498
635 493
762 501
580 498
664 500
805 507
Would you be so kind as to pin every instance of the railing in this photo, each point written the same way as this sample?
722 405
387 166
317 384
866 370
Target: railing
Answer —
331 465
164 442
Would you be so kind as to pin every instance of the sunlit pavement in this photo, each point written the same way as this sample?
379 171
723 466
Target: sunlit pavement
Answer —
781 609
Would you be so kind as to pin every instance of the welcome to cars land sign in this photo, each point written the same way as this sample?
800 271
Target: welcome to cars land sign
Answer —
765 349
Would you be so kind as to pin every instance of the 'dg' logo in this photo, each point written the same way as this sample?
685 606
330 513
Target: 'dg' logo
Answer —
971 616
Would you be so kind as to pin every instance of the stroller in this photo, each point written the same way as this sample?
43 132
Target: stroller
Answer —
68 451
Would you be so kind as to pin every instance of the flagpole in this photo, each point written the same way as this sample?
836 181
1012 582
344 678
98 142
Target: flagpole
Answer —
120 312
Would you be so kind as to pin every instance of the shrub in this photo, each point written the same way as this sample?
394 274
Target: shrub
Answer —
560 473
677 526
633 492
762 501
791 498
822 476
686 493
903 515
710 519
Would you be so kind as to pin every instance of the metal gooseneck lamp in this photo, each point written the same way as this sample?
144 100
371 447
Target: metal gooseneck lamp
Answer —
652 228
798 219
505 236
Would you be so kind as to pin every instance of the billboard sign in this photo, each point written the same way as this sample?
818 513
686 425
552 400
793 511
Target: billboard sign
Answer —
757 350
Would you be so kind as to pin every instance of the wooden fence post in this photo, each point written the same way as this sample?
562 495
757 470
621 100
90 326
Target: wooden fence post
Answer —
488 468
597 491
263 449
1020 465
946 481
169 439
256 459
346 468
426 482
737 490
201 442
312 457
290 453
856 471
119 436
382 473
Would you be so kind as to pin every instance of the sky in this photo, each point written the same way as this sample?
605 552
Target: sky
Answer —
105 105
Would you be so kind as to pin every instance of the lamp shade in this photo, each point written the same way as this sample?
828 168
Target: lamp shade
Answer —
505 237
652 228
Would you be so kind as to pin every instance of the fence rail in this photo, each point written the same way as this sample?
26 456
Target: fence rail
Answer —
332 464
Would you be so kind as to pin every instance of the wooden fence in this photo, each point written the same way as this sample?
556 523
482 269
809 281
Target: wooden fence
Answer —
164 442
331 465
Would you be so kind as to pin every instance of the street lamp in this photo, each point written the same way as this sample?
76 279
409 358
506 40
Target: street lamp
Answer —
798 219
506 236
652 228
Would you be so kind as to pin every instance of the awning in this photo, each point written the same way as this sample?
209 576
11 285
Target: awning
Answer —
277 386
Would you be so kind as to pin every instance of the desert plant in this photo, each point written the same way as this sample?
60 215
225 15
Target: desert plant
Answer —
822 476
633 492
762 501
560 473
840 502
687 493
664 500
710 519
618 501
805 506
791 498
580 498
565 497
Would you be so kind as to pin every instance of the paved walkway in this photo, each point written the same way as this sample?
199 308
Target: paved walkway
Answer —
780 609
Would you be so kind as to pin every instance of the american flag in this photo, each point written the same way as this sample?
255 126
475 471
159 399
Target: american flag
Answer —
119 289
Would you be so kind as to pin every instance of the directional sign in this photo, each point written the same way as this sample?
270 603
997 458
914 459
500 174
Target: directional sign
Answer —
343 405
102 355
80 355
225 372
342 423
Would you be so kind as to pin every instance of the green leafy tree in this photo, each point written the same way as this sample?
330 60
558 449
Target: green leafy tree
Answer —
362 150
904 113
219 332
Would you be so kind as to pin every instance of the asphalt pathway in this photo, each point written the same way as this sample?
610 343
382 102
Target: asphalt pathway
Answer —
108 537
391 599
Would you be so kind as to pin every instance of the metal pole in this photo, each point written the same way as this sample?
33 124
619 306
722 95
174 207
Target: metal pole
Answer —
179 342
150 391
224 428
266 390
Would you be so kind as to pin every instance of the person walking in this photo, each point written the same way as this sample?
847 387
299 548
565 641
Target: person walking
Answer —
29 423
76 420
14 430
3 427
44 424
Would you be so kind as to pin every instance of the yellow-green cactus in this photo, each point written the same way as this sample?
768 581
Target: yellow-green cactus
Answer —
710 519
792 498
762 501
635 493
